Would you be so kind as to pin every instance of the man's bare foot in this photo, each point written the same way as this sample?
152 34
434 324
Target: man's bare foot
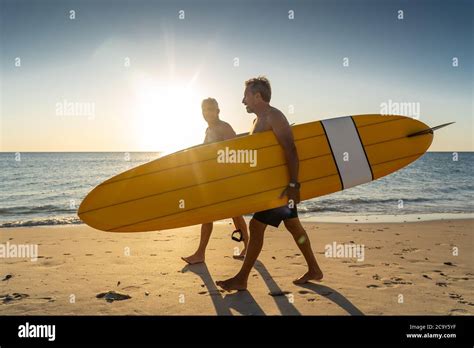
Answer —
241 256
232 284
193 259
310 275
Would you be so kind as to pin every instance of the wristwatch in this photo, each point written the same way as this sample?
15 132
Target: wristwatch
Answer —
294 185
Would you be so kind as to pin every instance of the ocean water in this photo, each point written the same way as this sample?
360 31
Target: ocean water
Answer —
47 188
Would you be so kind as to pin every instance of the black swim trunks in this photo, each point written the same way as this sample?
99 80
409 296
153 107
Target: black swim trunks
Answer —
275 216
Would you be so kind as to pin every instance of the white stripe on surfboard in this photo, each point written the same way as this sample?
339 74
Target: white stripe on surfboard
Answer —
348 151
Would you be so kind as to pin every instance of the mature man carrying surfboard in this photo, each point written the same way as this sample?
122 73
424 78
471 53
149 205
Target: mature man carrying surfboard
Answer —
257 97
217 130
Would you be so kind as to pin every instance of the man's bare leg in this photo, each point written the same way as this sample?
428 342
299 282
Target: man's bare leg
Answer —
240 224
200 254
301 238
239 282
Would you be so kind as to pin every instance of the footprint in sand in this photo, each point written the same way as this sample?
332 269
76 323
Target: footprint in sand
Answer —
409 250
396 281
7 298
50 299
460 298
456 279
362 266
457 310
455 296
304 292
375 247
279 293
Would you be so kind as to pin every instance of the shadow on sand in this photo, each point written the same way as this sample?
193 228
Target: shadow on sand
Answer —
334 296
244 303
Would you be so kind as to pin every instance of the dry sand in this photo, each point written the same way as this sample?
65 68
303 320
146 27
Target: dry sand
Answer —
411 263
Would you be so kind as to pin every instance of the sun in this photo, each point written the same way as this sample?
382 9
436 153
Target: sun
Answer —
168 116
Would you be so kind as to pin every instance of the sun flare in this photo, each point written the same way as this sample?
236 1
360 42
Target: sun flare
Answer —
168 116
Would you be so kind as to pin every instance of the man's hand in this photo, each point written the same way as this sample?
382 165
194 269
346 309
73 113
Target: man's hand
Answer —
292 193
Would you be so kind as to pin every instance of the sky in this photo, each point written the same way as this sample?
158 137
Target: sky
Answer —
130 75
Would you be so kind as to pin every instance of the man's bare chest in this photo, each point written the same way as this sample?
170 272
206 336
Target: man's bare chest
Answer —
261 124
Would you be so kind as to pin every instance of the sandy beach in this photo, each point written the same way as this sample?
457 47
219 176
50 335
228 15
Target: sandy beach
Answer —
408 269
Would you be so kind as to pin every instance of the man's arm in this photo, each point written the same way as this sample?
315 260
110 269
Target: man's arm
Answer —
284 135
206 140
282 130
228 132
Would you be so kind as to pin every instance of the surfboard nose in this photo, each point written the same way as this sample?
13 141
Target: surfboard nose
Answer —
387 143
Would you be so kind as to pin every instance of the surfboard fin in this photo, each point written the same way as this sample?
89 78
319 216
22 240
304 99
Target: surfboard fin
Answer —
429 130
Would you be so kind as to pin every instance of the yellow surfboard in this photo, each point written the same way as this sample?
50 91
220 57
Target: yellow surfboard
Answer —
248 173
